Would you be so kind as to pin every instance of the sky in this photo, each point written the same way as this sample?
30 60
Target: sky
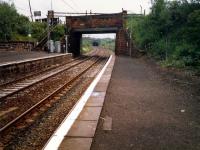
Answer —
96 6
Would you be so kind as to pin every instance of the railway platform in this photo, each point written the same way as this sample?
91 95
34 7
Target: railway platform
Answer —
122 103
14 56
140 110
17 64
149 110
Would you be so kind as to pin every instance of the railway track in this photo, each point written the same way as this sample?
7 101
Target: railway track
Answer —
23 75
3 85
29 96
13 87
17 124
47 101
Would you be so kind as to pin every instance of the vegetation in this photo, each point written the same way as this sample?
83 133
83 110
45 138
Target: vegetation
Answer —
86 44
37 30
170 33
106 43
14 26
58 32
11 23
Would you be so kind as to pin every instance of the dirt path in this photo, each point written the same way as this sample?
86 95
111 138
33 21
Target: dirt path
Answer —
148 111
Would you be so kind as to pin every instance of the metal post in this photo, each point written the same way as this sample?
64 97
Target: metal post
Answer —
141 9
51 5
29 36
130 45
48 34
30 10
131 37
66 39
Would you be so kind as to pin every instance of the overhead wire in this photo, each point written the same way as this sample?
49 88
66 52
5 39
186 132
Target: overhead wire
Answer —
75 4
64 1
27 10
69 5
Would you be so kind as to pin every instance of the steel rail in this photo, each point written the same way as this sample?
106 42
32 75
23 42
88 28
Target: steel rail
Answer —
37 105
36 82
31 75
43 71
36 73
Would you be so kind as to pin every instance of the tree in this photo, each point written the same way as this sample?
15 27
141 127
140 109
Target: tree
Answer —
58 32
8 17
170 32
37 30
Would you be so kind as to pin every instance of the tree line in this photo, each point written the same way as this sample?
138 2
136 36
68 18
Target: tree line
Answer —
170 32
17 27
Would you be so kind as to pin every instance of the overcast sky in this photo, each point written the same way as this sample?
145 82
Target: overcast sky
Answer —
97 6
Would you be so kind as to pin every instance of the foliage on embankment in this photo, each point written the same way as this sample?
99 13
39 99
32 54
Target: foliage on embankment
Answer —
170 33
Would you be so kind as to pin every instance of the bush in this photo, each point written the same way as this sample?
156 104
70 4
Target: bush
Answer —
8 17
58 32
170 33
38 29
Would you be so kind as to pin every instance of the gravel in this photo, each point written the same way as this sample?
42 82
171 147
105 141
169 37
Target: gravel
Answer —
37 133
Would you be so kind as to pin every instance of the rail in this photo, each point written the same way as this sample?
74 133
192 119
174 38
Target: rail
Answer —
43 78
39 104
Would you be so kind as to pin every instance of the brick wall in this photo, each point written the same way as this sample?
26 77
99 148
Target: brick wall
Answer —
16 46
122 45
101 21
96 21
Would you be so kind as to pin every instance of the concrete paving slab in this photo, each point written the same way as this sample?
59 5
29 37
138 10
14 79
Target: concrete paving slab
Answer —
90 113
105 79
98 94
107 75
106 82
83 129
95 101
101 88
106 71
76 144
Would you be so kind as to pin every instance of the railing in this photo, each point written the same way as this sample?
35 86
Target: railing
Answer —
43 38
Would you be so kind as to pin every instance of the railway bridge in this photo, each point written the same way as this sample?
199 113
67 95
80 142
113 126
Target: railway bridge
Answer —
97 24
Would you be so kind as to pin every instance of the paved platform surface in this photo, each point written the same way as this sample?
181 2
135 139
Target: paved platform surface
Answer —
13 56
147 111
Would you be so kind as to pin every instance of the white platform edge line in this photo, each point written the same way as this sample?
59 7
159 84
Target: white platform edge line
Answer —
58 136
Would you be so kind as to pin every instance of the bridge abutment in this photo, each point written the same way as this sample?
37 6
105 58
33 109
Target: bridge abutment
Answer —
121 45
74 43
